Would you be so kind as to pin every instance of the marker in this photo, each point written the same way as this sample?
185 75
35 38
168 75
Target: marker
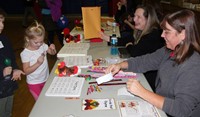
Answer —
109 84
71 98
109 81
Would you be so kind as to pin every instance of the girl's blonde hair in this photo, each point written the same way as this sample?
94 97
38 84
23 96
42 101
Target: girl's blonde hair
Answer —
34 30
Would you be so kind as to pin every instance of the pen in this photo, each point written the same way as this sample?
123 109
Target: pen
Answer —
109 81
95 71
73 98
109 84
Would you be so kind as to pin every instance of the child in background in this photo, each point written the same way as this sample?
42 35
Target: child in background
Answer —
9 72
34 58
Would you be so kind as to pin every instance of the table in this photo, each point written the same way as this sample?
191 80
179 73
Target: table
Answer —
61 107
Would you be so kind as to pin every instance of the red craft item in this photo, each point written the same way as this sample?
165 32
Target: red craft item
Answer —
66 31
76 22
96 40
75 69
61 65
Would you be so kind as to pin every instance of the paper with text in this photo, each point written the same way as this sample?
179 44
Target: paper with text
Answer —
124 92
137 108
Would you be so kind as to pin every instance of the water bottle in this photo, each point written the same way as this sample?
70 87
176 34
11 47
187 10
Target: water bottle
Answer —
113 42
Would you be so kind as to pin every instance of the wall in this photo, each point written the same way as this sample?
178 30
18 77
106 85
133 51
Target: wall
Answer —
12 6
69 6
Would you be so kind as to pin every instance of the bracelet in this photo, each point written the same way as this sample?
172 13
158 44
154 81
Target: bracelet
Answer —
130 43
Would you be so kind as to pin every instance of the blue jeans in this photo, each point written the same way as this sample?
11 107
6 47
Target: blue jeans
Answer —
6 106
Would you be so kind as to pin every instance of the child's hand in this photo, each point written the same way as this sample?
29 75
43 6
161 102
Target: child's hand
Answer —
40 60
52 49
7 71
17 74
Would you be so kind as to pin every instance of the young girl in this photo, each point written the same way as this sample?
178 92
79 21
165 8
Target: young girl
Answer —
34 58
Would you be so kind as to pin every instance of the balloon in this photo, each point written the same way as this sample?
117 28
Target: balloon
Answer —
7 62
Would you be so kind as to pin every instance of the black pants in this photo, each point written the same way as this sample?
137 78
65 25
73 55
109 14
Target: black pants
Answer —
51 35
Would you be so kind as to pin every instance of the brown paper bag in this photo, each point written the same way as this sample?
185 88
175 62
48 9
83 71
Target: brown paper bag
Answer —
91 22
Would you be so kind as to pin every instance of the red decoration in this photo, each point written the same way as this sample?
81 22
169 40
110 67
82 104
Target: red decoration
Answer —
76 22
63 70
75 69
69 38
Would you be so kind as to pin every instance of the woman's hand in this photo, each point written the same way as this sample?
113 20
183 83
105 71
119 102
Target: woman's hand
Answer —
126 21
134 87
130 19
119 5
104 37
114 68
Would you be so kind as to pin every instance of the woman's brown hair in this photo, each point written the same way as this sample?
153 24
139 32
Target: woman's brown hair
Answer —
184 20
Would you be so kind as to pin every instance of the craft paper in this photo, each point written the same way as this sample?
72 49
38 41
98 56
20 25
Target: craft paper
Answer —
137 108
105 78
91 22
98 104
123 91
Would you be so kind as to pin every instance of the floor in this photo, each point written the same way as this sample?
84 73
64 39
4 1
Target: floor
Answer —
23 100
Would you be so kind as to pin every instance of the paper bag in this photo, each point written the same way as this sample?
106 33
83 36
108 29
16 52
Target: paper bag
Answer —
91 22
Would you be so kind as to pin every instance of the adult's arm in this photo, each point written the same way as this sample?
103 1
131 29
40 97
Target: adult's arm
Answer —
147 44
